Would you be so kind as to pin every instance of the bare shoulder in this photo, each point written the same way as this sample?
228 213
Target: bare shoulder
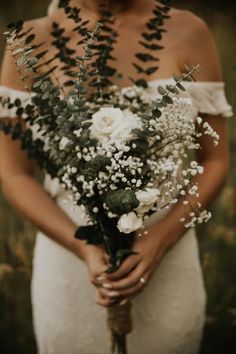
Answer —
41 27
189 26
9 72
196 43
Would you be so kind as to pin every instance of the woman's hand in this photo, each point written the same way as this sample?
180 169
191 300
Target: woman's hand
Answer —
95 258
136 271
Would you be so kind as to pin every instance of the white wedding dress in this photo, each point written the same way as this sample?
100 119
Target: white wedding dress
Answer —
168 315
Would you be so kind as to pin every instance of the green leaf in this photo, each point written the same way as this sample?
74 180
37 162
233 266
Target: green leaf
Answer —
145 57
187 78
137 132
156 112
121 201
56 111
138 68
158 103
17 102
167 99
22 61
42 54
37 84
19 111
89 233
15 25
177 78
172 89
162 90
30 38
46 95
142 83
86 124
54 101
181 87
151 46
152 36
151 70
142 145
33 61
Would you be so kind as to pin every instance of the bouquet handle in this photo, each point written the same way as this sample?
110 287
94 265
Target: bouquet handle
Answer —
120 325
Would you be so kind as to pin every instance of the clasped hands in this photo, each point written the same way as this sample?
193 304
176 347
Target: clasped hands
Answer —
134 273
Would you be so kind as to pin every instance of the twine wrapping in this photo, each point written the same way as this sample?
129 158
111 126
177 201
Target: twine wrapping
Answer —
120 325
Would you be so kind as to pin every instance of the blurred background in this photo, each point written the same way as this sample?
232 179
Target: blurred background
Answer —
217 240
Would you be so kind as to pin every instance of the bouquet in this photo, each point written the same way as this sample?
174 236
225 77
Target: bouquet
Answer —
121 154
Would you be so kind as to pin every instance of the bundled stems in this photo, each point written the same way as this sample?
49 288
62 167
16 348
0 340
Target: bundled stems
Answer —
120 325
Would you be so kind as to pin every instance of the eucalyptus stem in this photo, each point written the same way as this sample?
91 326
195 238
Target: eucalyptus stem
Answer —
105 239
161 147
11 49
86 55
56 79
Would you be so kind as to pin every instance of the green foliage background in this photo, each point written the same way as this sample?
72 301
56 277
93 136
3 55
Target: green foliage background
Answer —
217 240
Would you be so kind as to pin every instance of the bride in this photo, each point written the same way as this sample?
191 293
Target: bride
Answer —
164 280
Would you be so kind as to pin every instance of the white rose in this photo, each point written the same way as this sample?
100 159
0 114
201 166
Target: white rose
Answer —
129 223
123 132
63 142
147 199
113 124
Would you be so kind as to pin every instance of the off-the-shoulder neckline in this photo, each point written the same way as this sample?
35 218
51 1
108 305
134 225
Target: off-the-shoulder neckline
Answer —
151 83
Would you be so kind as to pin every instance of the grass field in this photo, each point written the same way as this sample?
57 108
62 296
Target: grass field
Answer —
217 240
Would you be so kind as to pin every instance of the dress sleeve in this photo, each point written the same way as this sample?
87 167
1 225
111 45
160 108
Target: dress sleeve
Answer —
209 98
8 95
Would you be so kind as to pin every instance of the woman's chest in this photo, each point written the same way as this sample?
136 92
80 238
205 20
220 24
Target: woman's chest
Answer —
126 55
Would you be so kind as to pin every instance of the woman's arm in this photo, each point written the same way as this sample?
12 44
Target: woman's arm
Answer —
23 190
21 187
28 196
31 200
163 236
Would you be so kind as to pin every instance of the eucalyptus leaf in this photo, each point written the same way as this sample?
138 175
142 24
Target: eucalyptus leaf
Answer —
121 201
156 112
22 61
145 57
173 89
162 90
181 87
167 99
151 70
176 77
37 84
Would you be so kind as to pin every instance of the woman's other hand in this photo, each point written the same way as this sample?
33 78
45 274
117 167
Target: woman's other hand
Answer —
135 272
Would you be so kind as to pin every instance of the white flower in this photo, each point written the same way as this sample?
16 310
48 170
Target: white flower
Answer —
169 165
129 92
113 124
199 120
129 222
63 142
77 132
147 199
